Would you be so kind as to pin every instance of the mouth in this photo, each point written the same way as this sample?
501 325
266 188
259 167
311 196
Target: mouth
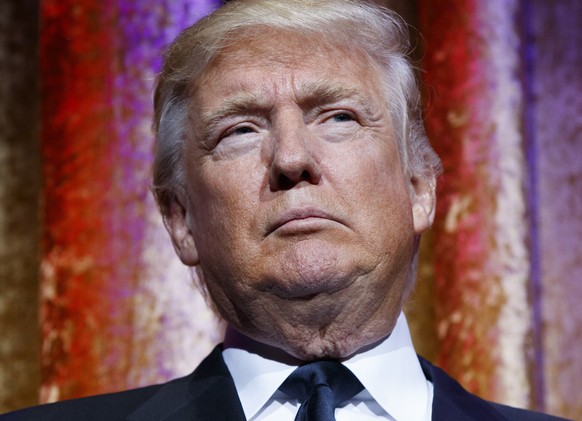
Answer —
302 220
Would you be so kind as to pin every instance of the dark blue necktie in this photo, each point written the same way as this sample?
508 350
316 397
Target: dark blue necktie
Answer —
320 387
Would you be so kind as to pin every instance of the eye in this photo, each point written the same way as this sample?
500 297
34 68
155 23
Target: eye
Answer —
238 131
338 116
342 117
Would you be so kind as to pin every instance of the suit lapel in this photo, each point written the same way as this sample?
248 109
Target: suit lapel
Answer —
452 402
207 394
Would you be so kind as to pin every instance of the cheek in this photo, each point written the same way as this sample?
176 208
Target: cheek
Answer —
375 193
373 177
226 197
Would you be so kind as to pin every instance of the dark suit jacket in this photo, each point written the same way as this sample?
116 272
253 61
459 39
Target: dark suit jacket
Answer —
209 394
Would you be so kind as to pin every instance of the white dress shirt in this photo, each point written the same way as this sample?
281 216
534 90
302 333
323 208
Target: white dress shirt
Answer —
394 385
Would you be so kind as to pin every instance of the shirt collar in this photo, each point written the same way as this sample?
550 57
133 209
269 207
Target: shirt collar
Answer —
256 376
390 372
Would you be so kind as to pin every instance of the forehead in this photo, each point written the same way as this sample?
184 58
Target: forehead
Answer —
271 61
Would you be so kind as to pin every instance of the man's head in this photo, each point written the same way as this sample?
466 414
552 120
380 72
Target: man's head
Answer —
293 171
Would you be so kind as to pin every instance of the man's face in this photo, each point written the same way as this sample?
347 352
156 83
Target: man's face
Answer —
296 209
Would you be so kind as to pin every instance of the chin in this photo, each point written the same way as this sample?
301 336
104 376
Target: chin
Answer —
314 267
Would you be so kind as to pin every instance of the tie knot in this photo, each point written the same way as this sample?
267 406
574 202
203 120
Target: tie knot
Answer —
306 378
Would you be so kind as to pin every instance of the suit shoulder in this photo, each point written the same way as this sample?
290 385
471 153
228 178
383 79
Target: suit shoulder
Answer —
111 406
451 401
179 396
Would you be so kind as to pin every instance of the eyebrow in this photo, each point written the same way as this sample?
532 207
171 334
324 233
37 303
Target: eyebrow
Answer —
310 95
320 93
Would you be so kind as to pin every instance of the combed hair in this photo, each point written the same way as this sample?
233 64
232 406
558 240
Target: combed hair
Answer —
377 31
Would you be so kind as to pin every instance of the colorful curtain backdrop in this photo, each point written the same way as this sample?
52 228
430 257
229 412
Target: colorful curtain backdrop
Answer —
117 308
19 193
502 110
497 292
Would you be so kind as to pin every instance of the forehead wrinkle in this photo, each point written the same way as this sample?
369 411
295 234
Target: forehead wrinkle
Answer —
251 99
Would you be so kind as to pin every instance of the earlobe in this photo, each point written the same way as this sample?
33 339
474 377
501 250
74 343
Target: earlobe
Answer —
176 223
423 202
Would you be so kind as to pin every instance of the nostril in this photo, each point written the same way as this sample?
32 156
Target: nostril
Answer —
288 170
285 183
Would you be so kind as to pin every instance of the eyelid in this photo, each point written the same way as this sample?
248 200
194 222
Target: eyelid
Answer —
227 125
231 129
326 115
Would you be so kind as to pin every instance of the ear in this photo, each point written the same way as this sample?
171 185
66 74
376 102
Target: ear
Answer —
423 202
176 223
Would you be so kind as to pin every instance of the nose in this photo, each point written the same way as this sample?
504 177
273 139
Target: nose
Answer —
294 158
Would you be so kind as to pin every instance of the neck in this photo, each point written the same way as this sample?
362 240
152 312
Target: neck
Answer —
234 339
